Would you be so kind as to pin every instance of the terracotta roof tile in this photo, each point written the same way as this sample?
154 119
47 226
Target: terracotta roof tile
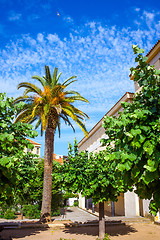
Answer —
153 47
33 142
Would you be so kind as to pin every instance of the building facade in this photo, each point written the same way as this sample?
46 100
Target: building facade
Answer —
128 204
36 149
59 158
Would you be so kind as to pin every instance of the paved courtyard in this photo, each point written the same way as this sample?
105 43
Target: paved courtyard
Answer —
128 231
76 214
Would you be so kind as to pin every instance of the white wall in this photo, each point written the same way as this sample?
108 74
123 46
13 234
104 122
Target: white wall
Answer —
81 201
70 201
131 203
146 207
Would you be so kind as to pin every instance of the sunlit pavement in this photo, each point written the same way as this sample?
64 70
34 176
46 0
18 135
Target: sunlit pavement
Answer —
76 214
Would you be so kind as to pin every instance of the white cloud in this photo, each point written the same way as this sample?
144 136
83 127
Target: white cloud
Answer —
99 55
14 16
33 17
40 37
149 15
137 23
100 59
53 38
137 9
68 19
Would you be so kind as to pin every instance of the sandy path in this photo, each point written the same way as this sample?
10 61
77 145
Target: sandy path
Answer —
136 231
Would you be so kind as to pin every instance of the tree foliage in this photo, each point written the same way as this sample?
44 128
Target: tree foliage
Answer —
95 177
12 143
51 102
135 134
92 175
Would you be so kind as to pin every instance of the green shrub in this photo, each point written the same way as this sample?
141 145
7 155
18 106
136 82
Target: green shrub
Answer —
55 213
9 214
106 237
1 215
75 203
31 211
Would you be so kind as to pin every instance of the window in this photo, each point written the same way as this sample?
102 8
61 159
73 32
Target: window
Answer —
28 150
37 151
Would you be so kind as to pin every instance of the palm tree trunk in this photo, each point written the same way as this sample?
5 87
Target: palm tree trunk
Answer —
101 221
47 181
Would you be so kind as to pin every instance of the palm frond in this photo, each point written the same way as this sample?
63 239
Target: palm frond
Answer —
66 120
24 117
79 112
34 119
54 79
69 111
48 76
24 98
64 83
34 111
76 98
40 79
58 77
59 129
72 92
33 88
50 103
38 123
82 126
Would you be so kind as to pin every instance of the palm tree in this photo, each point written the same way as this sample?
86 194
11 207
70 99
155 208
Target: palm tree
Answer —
47 106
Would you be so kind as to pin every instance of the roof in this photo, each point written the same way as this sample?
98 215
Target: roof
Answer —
34 142
151 54
153 47
111 112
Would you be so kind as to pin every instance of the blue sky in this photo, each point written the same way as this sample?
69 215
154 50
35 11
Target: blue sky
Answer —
90 39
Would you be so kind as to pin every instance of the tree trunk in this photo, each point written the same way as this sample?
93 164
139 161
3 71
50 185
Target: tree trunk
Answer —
101 221
47 180
21 212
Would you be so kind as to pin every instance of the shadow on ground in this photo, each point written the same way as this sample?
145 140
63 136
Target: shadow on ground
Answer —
8 234
88 228
69 210
112 229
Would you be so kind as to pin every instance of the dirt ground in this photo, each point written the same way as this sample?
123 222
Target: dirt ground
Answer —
136 231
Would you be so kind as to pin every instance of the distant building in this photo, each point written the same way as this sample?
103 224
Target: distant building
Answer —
36 149
128 204
59 158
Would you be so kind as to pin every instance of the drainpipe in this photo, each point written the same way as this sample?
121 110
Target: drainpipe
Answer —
112 209
87 205
93 210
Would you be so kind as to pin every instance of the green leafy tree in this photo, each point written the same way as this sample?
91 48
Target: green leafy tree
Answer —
135 134
30 187
12 143
26 190
93 176
48 106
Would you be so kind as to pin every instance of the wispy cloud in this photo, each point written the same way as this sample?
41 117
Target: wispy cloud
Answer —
101 59
13 16
137 9
149 15
33 17
68 19
99 55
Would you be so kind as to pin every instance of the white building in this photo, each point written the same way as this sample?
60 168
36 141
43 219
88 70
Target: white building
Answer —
36 149
128 204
